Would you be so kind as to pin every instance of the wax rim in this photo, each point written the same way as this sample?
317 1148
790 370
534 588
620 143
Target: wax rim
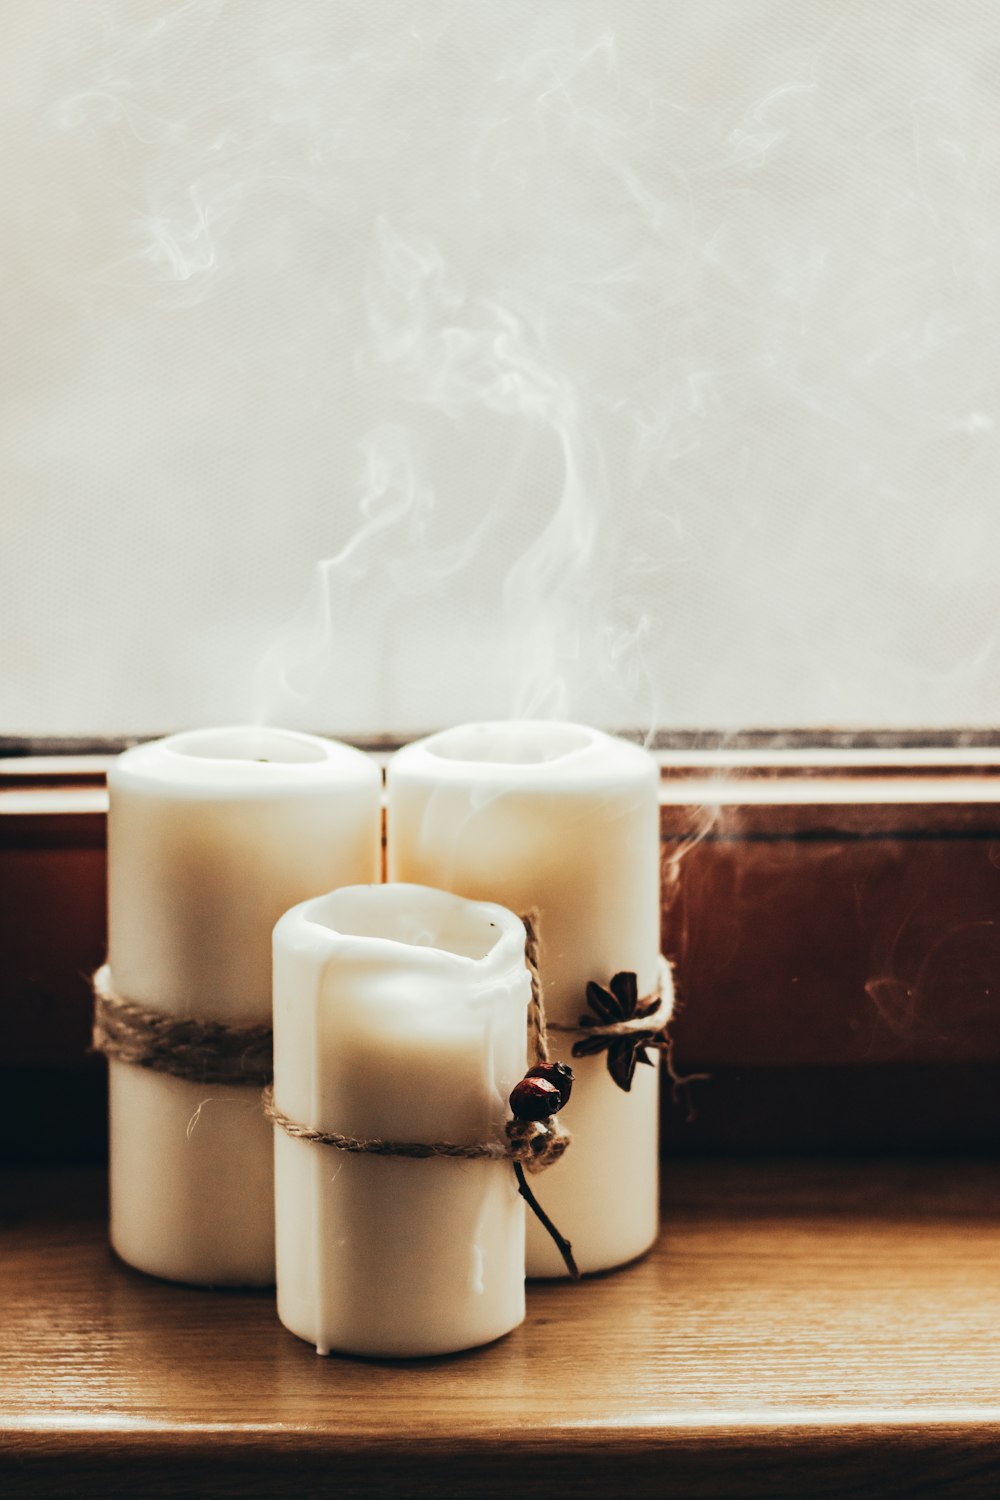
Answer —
325 750
602 757
167 765
303 921
583 739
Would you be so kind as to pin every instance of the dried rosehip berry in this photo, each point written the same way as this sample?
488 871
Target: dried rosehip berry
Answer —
534 1099
558 1074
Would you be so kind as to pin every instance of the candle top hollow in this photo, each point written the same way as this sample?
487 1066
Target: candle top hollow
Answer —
528 753
241 759
416 927
259 744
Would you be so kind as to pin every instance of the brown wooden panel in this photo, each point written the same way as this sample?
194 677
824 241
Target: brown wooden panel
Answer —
55 1116
52 936
812 930
822 1329
799 951
901 1107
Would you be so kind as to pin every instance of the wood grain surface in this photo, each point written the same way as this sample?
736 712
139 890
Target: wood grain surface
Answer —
803 1328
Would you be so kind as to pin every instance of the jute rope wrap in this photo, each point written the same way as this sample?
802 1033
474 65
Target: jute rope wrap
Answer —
538 1037
198 1051
534 1143
213 1052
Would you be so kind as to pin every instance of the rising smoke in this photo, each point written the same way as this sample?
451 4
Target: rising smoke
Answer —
625 361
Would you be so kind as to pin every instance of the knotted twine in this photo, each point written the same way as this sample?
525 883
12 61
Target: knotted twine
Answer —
653 1020
534 1144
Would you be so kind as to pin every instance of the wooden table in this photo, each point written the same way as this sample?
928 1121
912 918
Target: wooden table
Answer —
804 1328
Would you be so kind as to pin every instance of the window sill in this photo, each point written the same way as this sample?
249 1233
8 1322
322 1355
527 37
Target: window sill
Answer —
801 1328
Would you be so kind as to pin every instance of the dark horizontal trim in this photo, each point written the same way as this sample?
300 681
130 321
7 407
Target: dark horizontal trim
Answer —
875 1109
847 1109
680 740
15 746
844 836
76 824
822 739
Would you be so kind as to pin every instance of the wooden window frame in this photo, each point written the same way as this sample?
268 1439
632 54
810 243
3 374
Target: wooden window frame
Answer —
828 900
801 1325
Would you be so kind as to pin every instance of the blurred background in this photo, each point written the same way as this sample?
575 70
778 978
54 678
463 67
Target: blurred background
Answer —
369 364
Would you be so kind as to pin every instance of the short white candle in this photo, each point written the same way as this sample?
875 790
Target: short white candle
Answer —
400 1014
213 834
563 819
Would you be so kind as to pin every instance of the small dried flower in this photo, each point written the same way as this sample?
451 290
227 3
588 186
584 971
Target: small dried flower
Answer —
619 1002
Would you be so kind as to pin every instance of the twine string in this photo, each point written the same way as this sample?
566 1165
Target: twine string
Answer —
219 1052
538 1039
533 1143
655 1021
185 1047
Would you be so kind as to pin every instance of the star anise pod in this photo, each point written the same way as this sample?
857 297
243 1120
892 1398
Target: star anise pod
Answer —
619 1002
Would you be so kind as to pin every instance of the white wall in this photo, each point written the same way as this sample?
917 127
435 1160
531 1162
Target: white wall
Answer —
629 359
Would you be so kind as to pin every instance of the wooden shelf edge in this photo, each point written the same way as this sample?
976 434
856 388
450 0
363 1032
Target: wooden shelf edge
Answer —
816 1328
893 1462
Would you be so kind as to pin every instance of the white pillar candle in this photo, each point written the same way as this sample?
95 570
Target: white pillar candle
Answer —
212 835
400 1014
561 819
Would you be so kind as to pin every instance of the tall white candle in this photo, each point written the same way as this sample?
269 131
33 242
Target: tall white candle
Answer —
562 819
400 1014
212 835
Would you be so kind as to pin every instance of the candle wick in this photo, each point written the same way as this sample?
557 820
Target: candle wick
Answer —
561 1243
